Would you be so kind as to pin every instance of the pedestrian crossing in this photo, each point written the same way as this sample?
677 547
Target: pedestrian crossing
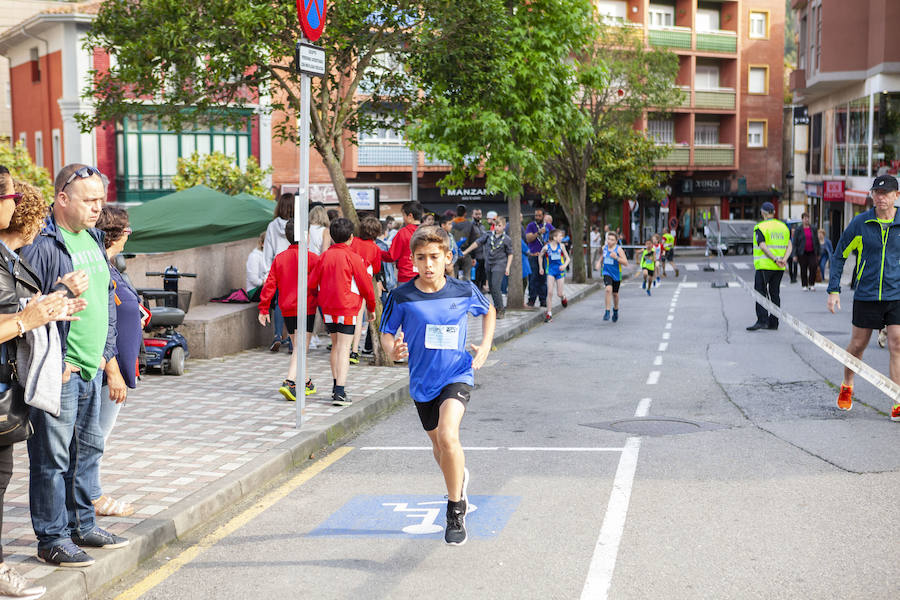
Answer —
740 266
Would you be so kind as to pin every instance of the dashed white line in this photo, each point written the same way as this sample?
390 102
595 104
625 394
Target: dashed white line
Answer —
657 361
643 407
666 335
663 346
668 325
670 318
653 378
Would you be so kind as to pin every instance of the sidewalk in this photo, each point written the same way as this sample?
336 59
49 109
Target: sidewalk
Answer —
186 447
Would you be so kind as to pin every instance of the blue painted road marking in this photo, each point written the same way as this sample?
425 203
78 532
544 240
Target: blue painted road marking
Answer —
415 516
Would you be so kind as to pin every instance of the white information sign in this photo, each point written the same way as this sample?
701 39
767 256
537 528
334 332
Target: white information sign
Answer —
310 60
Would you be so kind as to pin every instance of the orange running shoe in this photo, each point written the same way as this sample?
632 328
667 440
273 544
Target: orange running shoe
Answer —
845 398
895 413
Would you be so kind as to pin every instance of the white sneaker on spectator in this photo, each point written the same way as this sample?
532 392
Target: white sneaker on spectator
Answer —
14 585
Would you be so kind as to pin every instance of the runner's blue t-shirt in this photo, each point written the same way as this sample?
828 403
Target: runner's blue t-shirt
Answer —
434 327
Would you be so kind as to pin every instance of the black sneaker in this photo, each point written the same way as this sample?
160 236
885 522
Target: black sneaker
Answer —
288 389
98 538
354 358
455 533
65 554
341 399
275 346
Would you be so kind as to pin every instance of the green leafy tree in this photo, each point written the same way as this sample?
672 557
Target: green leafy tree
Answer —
496 113
221 172
18 161
617 79
202 60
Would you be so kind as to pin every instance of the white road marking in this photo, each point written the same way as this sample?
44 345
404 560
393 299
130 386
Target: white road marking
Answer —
653 378
467 448
497 448
657 361
666 335
670 318
540 449
671 310
668 326
691 267
663 346
603 561
688 284
643 408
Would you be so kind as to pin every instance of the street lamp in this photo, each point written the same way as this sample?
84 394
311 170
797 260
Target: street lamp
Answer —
790 186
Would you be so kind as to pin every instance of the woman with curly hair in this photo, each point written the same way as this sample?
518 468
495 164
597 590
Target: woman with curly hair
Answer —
22 213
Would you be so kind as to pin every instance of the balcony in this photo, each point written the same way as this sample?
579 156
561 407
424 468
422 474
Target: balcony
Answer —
797 79
720 98
717 41
685 96
720 155
670 37
680 156
384 155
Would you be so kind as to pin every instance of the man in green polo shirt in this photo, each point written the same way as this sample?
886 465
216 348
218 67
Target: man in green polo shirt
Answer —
771 247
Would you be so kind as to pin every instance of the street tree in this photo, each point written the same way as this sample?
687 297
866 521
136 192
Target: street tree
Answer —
206 60
220 172
496 113
617 80
21 167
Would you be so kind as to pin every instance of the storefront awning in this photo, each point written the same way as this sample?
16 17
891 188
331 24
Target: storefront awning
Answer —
856 196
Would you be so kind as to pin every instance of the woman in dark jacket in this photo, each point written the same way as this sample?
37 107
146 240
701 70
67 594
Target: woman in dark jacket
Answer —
121 371
806 249
22 211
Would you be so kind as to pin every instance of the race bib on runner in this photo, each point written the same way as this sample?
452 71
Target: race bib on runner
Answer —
442 337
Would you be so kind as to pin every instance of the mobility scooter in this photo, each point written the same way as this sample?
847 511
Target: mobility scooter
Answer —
164 347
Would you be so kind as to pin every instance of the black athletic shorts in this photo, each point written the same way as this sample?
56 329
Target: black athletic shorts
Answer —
649 271
290 323
669 255
607 280
875 314
340 328
430 411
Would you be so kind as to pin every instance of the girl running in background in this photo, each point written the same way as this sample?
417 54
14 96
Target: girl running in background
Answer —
648 264
613 258
658 247
557 261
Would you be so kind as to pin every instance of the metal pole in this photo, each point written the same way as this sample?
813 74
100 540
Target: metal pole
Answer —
301 234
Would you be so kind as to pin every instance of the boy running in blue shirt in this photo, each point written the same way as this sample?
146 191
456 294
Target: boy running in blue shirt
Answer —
432 311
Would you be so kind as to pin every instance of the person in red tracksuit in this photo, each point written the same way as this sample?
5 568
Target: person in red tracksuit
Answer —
283 279
343 283
364 245
400 252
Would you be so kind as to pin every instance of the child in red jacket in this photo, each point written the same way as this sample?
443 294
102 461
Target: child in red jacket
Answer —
343 283
364 245
283 278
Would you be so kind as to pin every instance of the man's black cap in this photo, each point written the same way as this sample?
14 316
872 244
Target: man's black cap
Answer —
885 183
767 207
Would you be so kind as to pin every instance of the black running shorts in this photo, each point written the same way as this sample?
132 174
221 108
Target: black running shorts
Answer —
291 323
875 314
340 328
669 255
607 280
430 411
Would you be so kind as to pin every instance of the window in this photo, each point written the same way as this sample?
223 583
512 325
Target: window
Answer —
858 138
662 15
57 151
757 134
758 80
707 77
801 45
814 158
707 19
35 58
23 139
759 25
613 12
39 148
706 133
662 131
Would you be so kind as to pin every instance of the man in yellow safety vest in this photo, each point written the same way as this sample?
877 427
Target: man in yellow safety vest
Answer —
771 247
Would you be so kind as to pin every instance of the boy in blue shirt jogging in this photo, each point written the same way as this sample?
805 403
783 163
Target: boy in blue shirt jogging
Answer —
432 311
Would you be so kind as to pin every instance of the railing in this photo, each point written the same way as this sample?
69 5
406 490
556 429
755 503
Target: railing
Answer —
686 95
378 155
714 156
141 189
679 156
721 98
670 37
435 162
717 41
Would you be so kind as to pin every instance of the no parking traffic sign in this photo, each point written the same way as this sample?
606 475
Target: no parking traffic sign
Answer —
312 18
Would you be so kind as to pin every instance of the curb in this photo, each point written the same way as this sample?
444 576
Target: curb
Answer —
149 536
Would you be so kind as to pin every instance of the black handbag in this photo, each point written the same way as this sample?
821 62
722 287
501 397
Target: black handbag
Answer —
15 425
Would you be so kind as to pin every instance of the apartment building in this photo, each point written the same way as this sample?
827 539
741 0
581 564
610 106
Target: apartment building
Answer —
726 136
848 79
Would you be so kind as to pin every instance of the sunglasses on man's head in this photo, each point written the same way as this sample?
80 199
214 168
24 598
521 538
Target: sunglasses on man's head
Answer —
82 173
16 197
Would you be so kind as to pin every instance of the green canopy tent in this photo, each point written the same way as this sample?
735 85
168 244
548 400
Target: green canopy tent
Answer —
199 216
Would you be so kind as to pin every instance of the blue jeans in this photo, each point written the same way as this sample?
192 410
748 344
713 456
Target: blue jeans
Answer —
277 319
64 453
109 410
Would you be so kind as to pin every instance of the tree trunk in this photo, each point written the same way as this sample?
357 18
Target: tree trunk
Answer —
590 261
515 298
339 182
571 199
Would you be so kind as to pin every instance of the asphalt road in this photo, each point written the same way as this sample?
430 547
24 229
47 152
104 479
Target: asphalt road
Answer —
744 480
